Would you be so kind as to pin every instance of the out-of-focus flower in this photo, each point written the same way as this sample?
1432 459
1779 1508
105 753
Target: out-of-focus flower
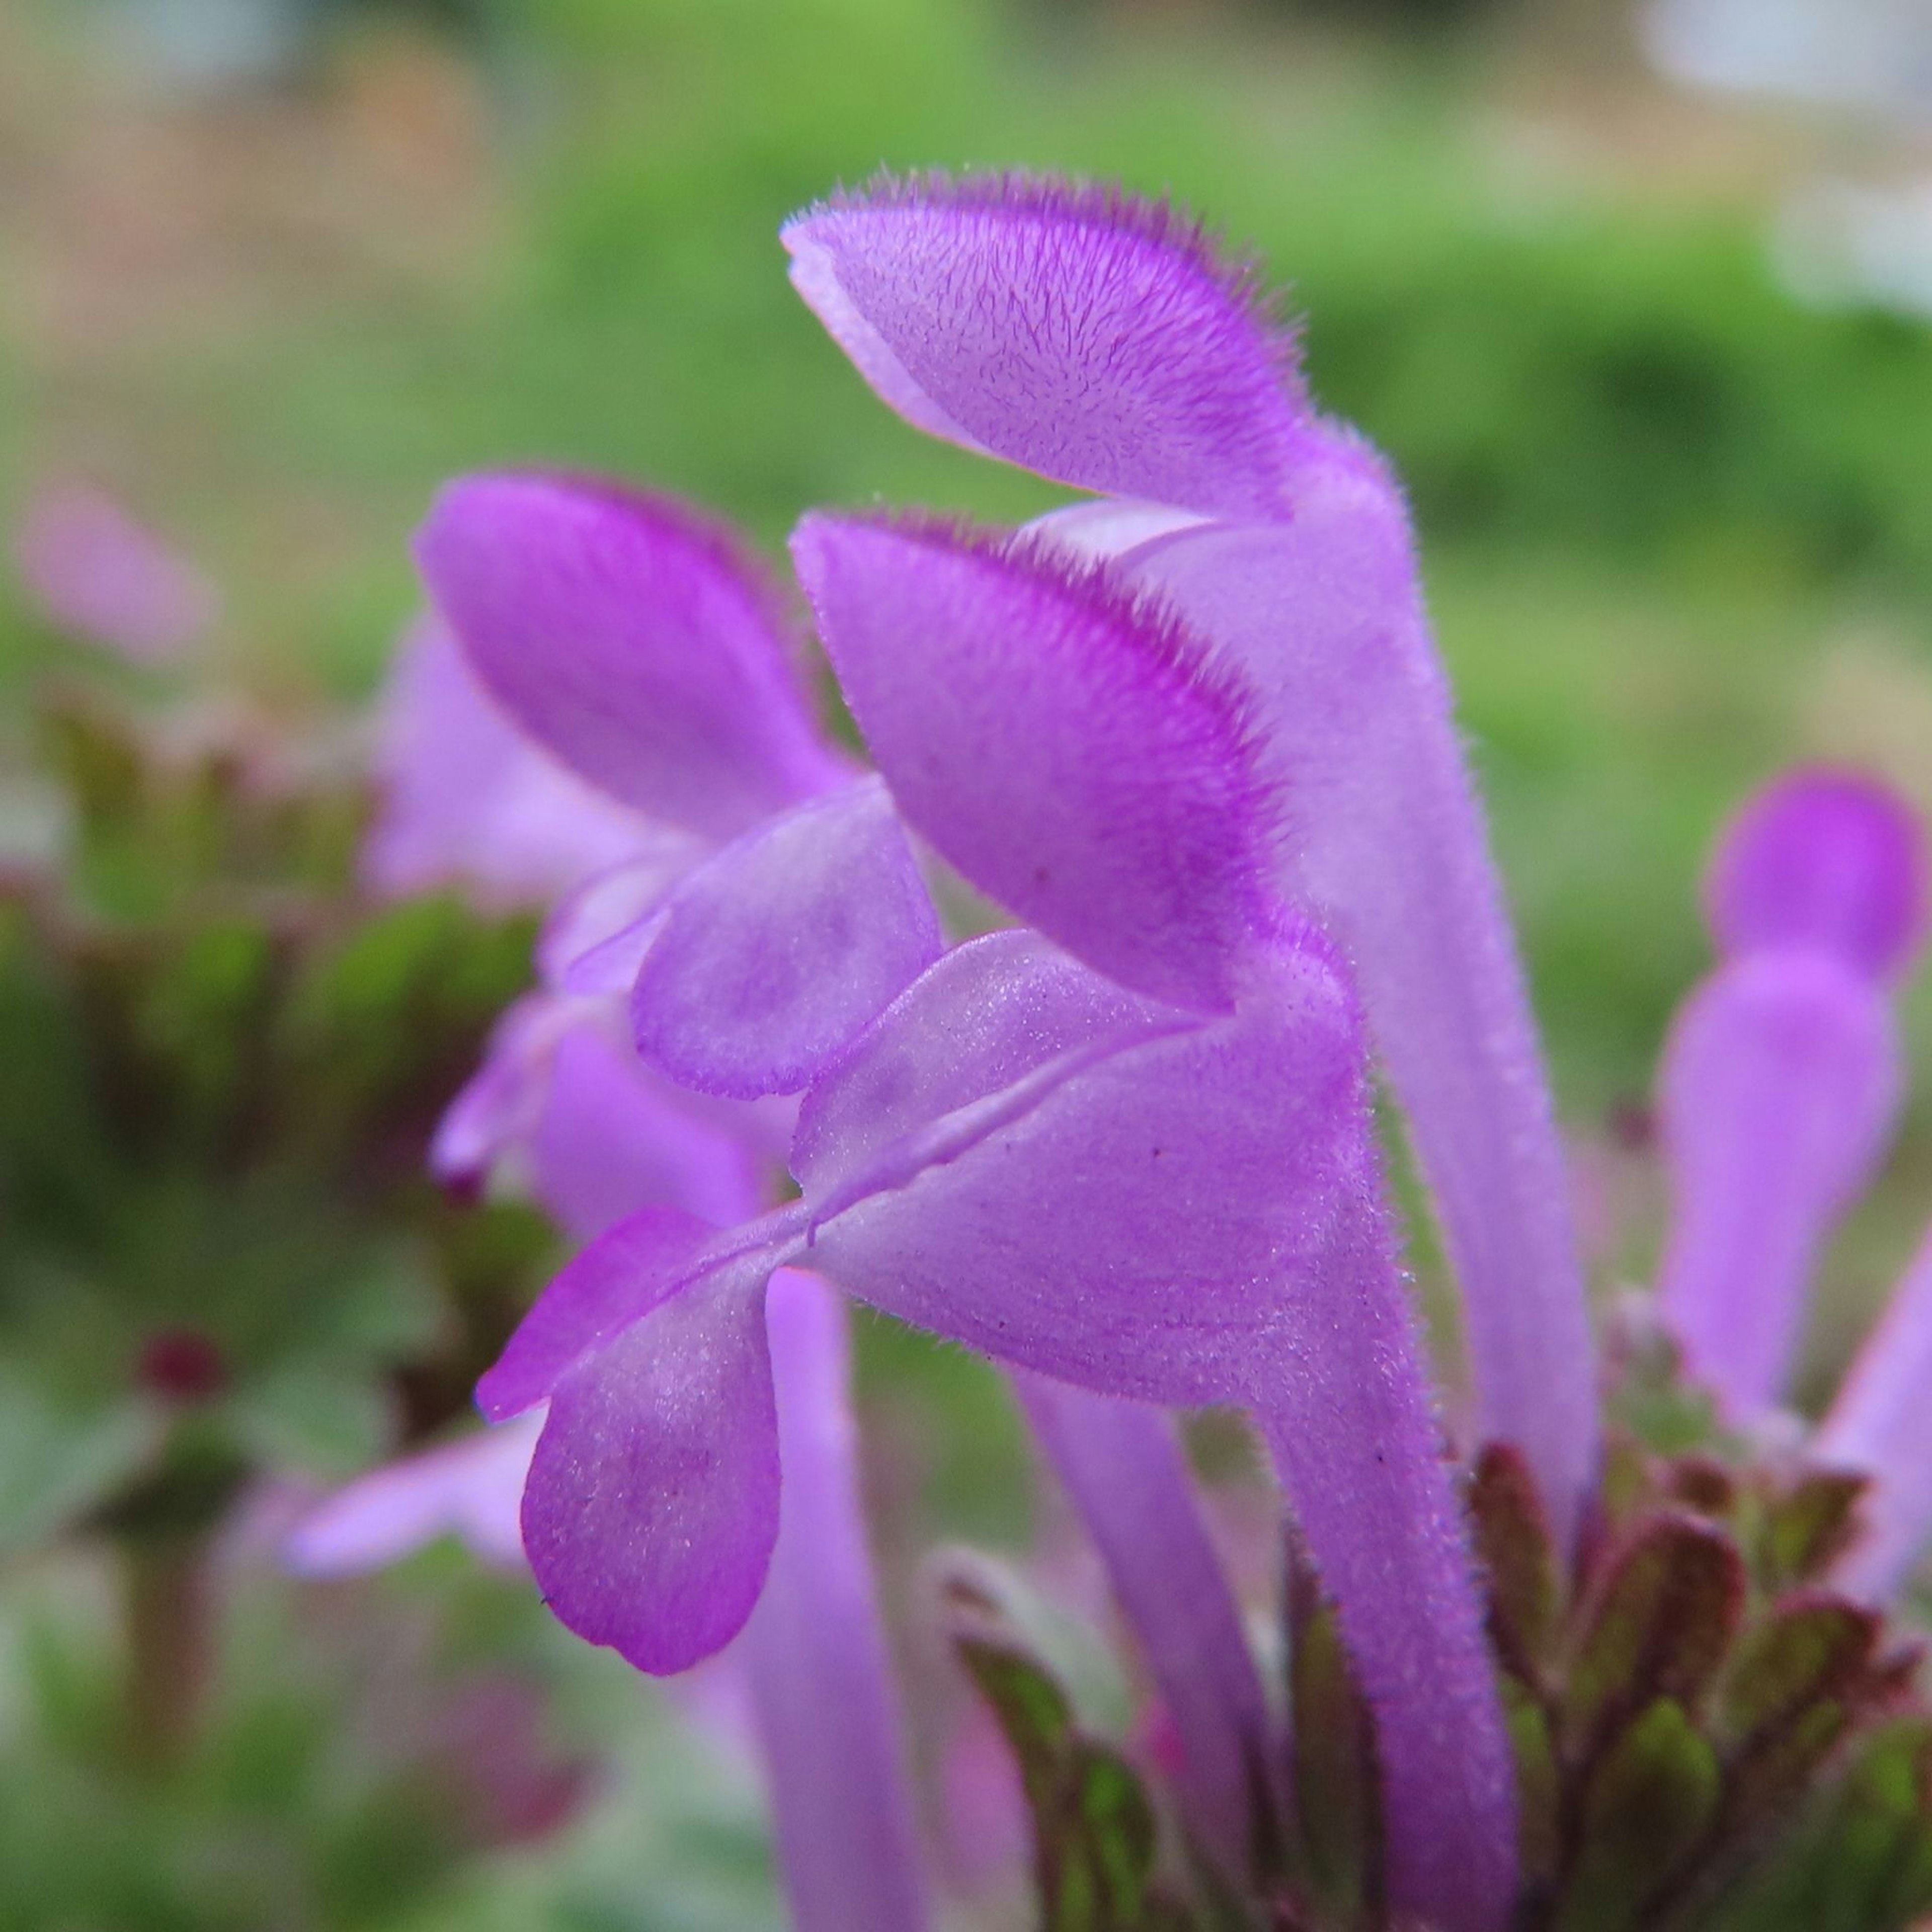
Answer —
1782 1078
95 572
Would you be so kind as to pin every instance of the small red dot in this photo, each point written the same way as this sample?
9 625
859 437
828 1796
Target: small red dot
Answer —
182 1365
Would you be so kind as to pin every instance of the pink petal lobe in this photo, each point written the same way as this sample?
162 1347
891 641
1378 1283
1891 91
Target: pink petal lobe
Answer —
1382 836
619 1279
575 949
1008 1014
1064 747
653 1501
473 1489
1828 858
771 957
1071 331
1780 1088
1130 1215
628 638
502 1103
468 800
613 1140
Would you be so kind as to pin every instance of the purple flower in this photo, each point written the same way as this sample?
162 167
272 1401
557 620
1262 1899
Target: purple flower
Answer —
1142 1164
640 646
467 800
1102 342
1782 1077
95 572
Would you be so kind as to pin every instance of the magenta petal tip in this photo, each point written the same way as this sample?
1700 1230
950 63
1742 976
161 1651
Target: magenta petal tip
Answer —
1067 746
631 639
1834 860
1094 337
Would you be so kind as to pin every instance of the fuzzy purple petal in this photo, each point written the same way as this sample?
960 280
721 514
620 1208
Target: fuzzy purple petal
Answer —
815 1649
998 1020
621 1276
1063 746
1073 331
770 958
1828 858
1130 1215
1780 1087
1124 1468
653 1501
1881 1425
1382 835
629 638
473 1489
580 949
613 1140
468 800
500 1105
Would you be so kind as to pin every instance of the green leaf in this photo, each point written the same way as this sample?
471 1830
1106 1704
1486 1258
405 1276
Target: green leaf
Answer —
1809 1526
1518 1560
1662 1620
1095 1832
1649 1806
1337 1781
1804 1651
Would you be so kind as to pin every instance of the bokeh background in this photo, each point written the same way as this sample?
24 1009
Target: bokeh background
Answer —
1638 298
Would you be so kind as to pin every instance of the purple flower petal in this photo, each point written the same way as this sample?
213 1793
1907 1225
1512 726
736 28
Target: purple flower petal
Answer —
619 1279
652 1502
1193 1218
96 572
1827 858
472 1488
1064 747
1130 1215
1006 1014
1073 331
1383 836
1780 1084
575 949
501 1105
1128 1478
613 1140
815 1649
468 800
629 638
1881 1425
771 957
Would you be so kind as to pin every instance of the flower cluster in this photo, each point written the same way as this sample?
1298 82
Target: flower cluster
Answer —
1191 737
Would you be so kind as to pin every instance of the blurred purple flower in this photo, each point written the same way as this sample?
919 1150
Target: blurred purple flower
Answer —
1781 1080
468 800
96 572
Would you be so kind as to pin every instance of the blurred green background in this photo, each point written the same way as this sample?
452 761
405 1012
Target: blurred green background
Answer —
271 272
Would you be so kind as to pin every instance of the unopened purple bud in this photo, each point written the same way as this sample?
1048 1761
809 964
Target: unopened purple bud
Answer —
1832 860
